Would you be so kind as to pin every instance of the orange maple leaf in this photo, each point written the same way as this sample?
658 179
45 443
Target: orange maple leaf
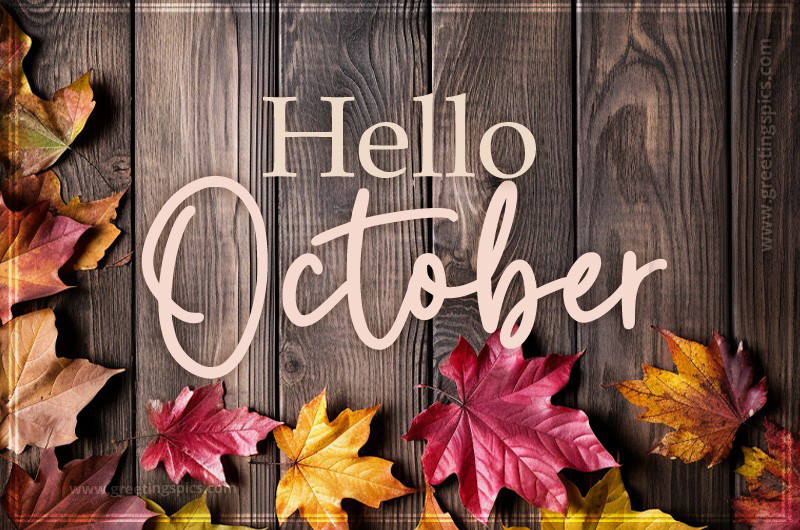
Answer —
433 517
705 402
325 466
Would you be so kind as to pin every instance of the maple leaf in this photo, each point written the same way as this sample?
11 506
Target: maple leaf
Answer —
705 402
92 245
433 517
325 466
194 431
773 482
73 497
35 132
194 515
41 394
606 506
504 432
34 245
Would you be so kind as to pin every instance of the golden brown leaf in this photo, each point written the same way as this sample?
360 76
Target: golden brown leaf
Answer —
605 507
34 132
705 402
41 394
99 214
433 517
325 466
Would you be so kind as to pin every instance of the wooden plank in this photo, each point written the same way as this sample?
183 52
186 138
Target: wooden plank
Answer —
94 319
200 75
514 63
652 178
765 195
377 55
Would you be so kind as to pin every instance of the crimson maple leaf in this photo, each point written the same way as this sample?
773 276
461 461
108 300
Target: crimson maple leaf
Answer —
195 430
773 482
504 432
74 497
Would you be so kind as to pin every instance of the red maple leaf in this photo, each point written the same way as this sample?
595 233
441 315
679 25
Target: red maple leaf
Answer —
195 430
505 433
773 482
71 497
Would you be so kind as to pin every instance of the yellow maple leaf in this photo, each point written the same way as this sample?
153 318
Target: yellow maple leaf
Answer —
41 394
433 517
325 466
705 402
91 247
605 507
193 515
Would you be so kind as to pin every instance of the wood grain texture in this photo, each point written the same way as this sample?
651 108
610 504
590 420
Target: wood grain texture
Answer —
93 319
653 178
514 62
765 196
195 109
377 55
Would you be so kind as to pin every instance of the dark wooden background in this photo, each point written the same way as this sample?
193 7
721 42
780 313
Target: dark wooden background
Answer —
648 127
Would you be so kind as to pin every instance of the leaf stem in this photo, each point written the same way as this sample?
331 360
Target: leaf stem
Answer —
441 392
84 157
143 437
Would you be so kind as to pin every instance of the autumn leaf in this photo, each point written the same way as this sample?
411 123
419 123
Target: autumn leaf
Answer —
503 432
194 515
35 132
73 497
705 402
773 482
34 245
606 506
91 247
325 466
41 394
433 517
194 431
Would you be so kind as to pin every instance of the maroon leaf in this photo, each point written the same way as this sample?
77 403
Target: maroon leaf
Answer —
70 498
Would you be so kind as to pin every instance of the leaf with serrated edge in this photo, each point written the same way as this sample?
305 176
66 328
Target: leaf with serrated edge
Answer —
705 402
325 466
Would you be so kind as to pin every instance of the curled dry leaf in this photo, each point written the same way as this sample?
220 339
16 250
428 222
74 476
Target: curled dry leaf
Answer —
194 515
325 466
194 431
34 245
773 482
42 394
705 402
606 506
433 517
74 497
34 132
98 215
504 432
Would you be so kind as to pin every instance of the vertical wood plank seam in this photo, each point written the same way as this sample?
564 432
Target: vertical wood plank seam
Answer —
132 198
731 230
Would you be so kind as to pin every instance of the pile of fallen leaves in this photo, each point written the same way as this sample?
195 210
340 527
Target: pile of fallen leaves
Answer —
500 431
